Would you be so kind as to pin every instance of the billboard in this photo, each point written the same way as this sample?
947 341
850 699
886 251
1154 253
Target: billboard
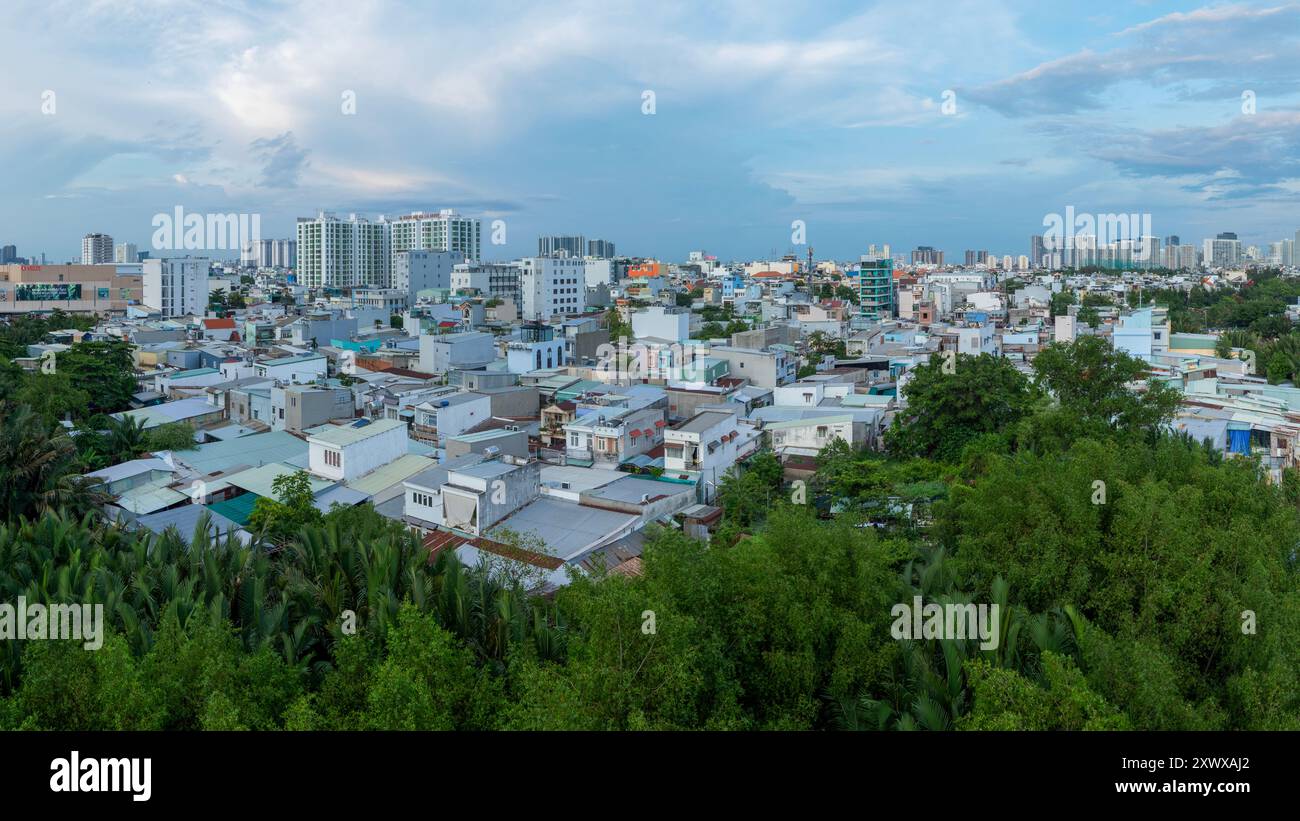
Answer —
47 292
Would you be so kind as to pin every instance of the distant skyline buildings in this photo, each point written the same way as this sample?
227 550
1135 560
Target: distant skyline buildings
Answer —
568 246
575 246
270 253
450 230
96 249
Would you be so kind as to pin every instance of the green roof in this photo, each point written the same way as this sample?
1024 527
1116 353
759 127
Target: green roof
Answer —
194 372
238 509
1182 340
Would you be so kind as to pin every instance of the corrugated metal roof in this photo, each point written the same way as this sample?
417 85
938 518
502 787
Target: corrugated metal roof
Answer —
259 480
214 457
393 473
237 509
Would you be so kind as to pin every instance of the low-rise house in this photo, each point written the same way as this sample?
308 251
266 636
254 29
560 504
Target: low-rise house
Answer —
346 452
706 446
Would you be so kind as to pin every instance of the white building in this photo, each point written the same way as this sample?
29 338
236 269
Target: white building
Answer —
335 253
125 252
808 436
295 369
97 249
661 322
443 231
497 280
421 270
349 452
440 353
598 271
706 446
1222 252
552 285
176 286
452 415
522 357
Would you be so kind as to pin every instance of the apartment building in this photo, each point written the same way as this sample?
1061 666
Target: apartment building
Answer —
552 285
443 231
335 253
176 286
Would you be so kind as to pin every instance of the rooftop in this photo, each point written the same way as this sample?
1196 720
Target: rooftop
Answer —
701 422
344 435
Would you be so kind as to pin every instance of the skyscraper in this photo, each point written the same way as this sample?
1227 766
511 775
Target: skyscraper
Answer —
443 231
1224 251
96 249
125 252
335 253
600 249
1037 250
573 246
925 255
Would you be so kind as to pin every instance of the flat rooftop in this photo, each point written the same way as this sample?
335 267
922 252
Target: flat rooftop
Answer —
344 435
701 422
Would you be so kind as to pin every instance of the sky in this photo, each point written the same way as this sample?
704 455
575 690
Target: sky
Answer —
662 126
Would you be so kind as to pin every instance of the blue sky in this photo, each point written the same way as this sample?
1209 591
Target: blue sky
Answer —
765 112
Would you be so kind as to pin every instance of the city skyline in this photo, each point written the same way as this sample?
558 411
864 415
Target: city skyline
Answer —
717 132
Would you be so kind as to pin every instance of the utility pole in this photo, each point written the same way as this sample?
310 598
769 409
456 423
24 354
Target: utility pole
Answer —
809 275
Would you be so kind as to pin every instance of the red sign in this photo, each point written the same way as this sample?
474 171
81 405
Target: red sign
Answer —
30 267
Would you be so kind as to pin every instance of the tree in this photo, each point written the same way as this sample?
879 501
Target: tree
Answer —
38 465
395 321
617 327
124 438
53 395
746 492
1280 368
171 436
294 507
945 411
104 370
1091 380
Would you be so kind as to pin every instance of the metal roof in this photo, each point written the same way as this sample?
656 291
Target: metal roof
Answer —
215 457
344 435
393 473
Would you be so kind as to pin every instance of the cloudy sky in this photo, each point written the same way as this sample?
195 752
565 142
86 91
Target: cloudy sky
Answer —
764 113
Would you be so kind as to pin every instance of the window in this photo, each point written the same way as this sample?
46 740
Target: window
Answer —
333 458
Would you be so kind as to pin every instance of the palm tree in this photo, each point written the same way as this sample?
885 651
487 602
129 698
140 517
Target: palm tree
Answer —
38 463
124 438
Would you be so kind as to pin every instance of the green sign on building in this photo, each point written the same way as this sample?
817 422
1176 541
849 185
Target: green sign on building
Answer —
47 292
